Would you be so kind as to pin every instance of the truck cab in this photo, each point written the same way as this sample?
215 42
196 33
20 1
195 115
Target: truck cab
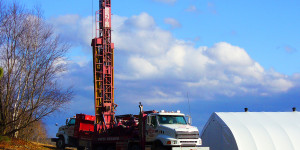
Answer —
78 129
170 130
64 133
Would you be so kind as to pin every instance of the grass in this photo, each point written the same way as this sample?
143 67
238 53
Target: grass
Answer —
17 144
8 143
4 139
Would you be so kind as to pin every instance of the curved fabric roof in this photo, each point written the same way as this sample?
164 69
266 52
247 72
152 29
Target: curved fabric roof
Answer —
260 130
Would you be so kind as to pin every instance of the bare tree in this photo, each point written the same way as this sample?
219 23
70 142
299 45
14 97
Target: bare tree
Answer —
32 57
36 132
1 72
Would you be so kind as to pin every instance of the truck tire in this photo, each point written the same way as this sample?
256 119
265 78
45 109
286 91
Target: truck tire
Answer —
60 144
158 146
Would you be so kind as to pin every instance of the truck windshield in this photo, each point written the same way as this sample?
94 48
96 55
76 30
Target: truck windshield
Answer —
72 121
168 119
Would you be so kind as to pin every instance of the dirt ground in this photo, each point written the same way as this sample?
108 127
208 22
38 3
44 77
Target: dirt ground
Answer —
16 144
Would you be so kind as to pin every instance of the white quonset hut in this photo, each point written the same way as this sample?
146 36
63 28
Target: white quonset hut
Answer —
252 131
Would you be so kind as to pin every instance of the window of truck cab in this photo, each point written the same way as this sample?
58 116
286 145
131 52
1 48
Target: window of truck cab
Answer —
171 119
71 122
153 121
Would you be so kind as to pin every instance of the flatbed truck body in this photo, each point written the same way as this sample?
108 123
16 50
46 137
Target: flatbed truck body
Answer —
150 130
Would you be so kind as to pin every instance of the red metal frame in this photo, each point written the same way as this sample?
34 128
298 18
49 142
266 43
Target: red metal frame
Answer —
103 64
84 126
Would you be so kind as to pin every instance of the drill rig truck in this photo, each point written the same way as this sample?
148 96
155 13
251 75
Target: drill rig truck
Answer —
150 130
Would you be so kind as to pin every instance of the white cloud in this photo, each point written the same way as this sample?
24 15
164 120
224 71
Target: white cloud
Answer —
191 8
89 88
157 101
279 85
61 62
223 68
152 57
142 68
296 76
204 82
81 60
140 34
229 55
173 22
158 96
176 55
142 21
74 29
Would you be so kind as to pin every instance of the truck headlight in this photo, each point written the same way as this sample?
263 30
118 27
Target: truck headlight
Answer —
171 142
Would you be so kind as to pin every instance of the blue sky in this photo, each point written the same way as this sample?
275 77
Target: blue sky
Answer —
225 55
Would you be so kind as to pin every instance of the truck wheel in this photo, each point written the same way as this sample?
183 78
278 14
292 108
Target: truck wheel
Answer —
60 144
157 145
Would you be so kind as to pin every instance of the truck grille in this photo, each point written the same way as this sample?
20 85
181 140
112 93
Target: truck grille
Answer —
188 142
187 135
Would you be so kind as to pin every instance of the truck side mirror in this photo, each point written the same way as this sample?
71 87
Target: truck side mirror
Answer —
189 119
67 120
148 120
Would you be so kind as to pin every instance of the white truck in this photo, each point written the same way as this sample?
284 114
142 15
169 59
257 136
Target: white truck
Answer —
169 130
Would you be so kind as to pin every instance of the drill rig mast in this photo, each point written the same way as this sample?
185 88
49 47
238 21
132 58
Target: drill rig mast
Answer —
103 65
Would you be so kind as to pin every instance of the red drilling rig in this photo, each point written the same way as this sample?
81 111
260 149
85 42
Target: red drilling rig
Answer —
103 65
